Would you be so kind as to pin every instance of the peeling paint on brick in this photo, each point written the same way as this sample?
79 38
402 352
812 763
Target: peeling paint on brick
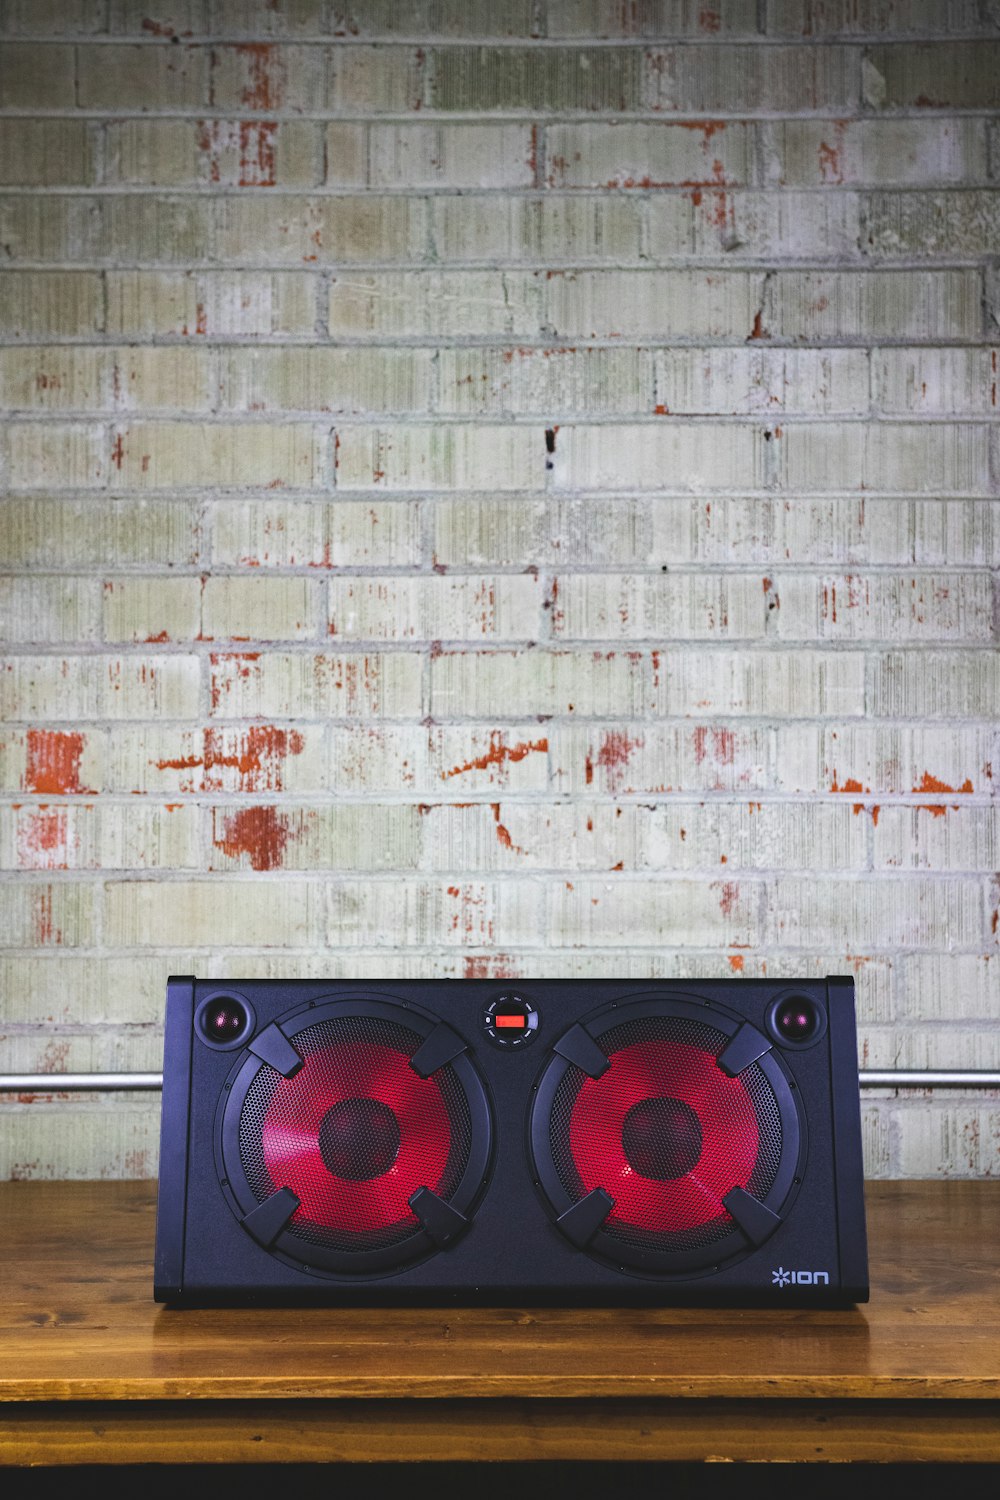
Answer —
42 836
497 754
264 88
613 754
257 758
258 833
929 783
54 761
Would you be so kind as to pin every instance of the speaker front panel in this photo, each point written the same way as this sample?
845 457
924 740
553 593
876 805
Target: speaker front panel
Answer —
547 1140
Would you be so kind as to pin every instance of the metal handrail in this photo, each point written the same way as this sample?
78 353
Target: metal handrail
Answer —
79 1083
929 1078
102 1083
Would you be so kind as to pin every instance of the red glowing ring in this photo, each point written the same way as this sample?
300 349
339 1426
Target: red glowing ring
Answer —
725 1113
291 1129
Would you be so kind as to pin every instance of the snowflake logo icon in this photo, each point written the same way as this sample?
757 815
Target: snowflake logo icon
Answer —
780 1277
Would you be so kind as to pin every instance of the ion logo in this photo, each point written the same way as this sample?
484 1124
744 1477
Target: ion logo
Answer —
781 1277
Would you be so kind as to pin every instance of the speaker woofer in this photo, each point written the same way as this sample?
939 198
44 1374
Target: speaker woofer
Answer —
665 1136
354 1137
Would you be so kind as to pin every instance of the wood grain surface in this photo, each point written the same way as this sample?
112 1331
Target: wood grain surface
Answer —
77 1321
90 1364
226 1432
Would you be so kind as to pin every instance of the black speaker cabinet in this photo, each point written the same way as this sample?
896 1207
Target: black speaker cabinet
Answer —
542 1140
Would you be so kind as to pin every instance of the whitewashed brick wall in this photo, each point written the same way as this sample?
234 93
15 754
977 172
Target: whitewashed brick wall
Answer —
497 489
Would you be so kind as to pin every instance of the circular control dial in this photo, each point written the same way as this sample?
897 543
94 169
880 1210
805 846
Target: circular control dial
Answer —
511 1021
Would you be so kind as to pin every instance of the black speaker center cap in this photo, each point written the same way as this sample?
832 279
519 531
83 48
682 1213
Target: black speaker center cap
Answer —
661 1138
359 1139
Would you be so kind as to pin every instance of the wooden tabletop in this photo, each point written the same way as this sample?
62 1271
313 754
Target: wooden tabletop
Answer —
90 1363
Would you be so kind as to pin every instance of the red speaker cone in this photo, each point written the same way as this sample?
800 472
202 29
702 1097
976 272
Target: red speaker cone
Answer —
646 1119
666 1133
354 1133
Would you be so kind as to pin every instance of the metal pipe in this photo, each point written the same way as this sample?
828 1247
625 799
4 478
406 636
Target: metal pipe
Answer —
928 1078
79 1083
106 1083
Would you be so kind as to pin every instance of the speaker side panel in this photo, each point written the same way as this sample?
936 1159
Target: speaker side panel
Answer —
171 1202
848 1164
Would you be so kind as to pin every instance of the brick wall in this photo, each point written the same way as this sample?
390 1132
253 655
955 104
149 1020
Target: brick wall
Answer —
498 489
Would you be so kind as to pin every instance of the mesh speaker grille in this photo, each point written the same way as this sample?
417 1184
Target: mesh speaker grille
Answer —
731 1130
354 1133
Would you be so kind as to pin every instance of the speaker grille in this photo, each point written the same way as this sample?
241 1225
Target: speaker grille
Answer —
354 1133
666 1133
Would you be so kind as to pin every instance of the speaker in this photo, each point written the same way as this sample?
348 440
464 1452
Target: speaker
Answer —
495 1141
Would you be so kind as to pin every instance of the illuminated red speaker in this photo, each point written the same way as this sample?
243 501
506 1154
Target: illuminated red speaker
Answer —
659 1143
534 1140
353 1137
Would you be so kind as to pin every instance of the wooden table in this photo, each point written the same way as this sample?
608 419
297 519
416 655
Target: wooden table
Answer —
93 1371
